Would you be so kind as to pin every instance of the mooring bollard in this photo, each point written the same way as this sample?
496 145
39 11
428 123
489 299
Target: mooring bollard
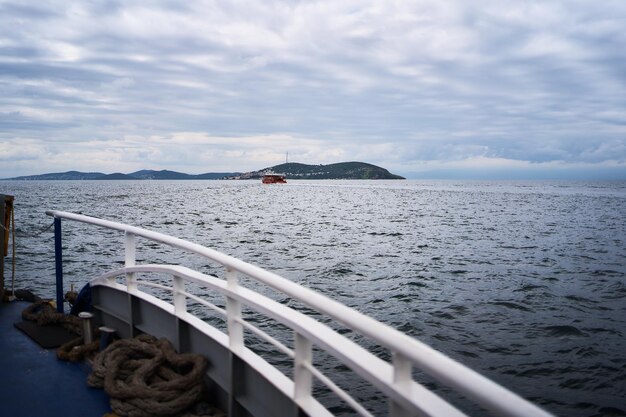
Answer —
87 333
106 337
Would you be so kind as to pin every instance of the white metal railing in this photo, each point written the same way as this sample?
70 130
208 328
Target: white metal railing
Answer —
407 397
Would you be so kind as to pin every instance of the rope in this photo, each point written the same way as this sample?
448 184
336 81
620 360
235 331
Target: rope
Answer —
76 351
22 234
13 258
11 214
43 313
37 233
13 234
145 377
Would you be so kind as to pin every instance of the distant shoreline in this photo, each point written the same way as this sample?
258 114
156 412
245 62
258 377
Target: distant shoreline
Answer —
342 170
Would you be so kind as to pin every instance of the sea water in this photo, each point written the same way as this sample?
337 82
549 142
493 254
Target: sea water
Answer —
523 281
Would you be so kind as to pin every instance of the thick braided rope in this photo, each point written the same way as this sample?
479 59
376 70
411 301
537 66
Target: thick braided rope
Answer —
146 377
44 314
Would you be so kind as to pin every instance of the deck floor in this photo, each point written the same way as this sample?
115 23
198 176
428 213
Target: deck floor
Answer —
33 382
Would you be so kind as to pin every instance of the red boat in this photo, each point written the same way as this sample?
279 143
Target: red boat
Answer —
274 179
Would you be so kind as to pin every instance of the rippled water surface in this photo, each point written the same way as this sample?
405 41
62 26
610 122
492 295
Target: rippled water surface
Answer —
523 281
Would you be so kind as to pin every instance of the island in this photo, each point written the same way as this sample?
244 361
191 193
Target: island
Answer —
339 171
291 170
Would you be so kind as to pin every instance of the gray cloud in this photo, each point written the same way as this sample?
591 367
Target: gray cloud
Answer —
401 84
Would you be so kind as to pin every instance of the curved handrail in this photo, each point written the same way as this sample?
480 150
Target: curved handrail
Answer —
351 354
483 391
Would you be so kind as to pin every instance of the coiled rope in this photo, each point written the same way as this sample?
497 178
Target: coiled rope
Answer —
145 377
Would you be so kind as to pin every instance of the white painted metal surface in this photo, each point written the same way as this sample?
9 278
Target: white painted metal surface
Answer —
406 396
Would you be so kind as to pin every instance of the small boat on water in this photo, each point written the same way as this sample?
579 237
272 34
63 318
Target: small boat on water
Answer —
155 299
272 178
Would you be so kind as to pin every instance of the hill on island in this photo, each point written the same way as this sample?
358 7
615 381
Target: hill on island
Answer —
339 171
342 170
144 174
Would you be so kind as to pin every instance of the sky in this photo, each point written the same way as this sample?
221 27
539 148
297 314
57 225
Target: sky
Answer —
424 88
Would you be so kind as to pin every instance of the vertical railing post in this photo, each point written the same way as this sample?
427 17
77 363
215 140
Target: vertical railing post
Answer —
235 344
58 262
131 283
402 368
180 300
180 308
129 251
233 312
302 377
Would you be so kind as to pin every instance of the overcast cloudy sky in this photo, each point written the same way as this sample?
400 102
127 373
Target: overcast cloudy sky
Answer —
425 88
